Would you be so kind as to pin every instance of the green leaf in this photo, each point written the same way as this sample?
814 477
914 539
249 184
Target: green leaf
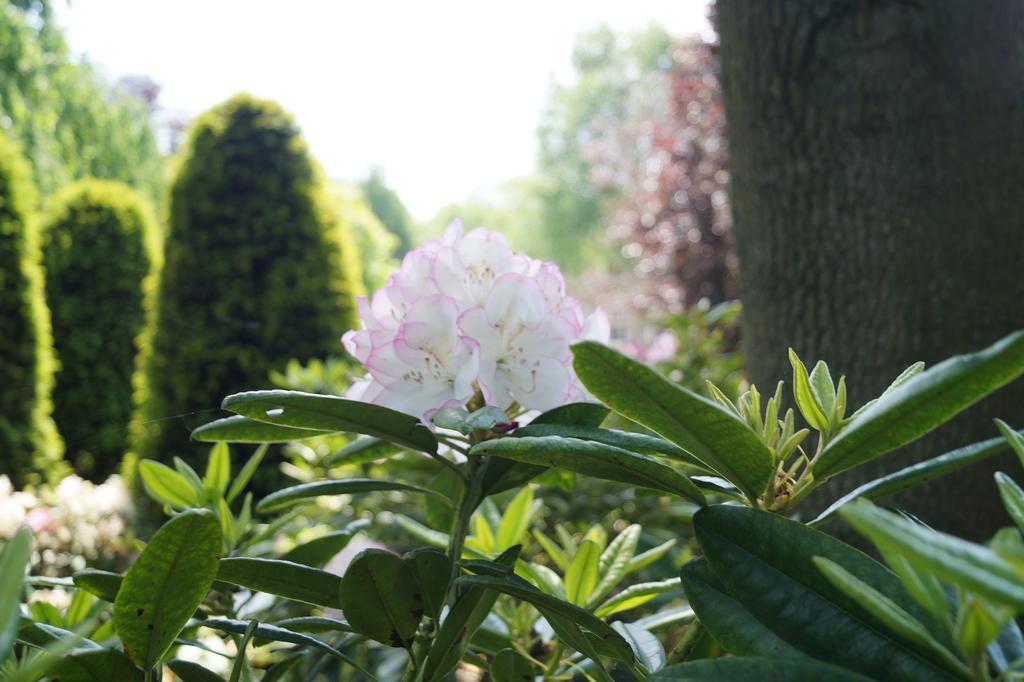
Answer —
516 519
461 623
701 427
166 584
103 584
977 626
676 615
581 578
508 665
916 474
192 672
51 656
218 468
431 570
286 497
614 562
318 552
634 442
766 563
361 451
579 414
189 474
646 647
553 551
636 595
756 669
645 559
239 429
921 404
314 624
1013 498
1014 438
593 459
905 376
14 560
823 388
381 598
167 486
814 414
279 634
246 474
611 642
726 619
886 611
331 414
974 567
282 578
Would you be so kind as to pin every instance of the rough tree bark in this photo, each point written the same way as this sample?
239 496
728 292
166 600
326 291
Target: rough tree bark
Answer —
877 161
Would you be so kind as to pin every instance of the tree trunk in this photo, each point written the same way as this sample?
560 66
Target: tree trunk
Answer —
877 162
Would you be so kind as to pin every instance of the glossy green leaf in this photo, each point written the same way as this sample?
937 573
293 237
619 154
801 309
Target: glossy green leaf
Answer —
1014 438
246 473
166 584
188 473
240 429
612 642
813 412
634 442
581 578
592 459
166 485
282 578
823 388
279 634
701 427
923 403
614 562
461 420
726 619
580 414
461 623
218 468
766 563
516 519
554 552
973 567
636 595
645 559
363 450
318 552
286 497
883 608
508 665
977 625
381 598
1013 498
328 413
103 584
666 618
646 647
189 671
51 656
431 569
756 669
14 558
916 474
904 376
96 665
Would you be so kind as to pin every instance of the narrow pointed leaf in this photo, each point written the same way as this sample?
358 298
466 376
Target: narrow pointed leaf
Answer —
102 584
756 669
806 400
581 578
362 450
189 671
318 552
300 493
508 665
246 473
14 560
974 567
166 485
634 442
593 459
516 519
166 584
1013 498
282 578
614 562
923 403
646 647
328 413
916 474
636 595
218 468
239 429
701 427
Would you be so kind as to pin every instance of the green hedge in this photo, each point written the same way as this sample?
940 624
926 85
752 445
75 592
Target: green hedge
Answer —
101 253
29 445
258 270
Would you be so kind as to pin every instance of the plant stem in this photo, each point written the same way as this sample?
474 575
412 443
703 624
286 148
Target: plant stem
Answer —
556 659
466 508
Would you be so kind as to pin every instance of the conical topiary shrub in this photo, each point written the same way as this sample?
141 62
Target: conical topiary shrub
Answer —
258 269
29 445
101 252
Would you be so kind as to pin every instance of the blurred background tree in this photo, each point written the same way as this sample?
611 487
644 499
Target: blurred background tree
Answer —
69 122
258 269
389 209
877 156
101 255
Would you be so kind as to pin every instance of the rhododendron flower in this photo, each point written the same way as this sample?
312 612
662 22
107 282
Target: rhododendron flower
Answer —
467 318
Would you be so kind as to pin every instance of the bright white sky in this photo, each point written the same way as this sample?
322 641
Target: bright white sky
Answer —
444 96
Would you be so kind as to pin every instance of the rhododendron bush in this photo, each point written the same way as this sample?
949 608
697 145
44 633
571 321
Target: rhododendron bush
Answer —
485 389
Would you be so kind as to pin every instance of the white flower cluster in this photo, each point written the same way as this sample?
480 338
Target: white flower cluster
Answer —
76 524
463 316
